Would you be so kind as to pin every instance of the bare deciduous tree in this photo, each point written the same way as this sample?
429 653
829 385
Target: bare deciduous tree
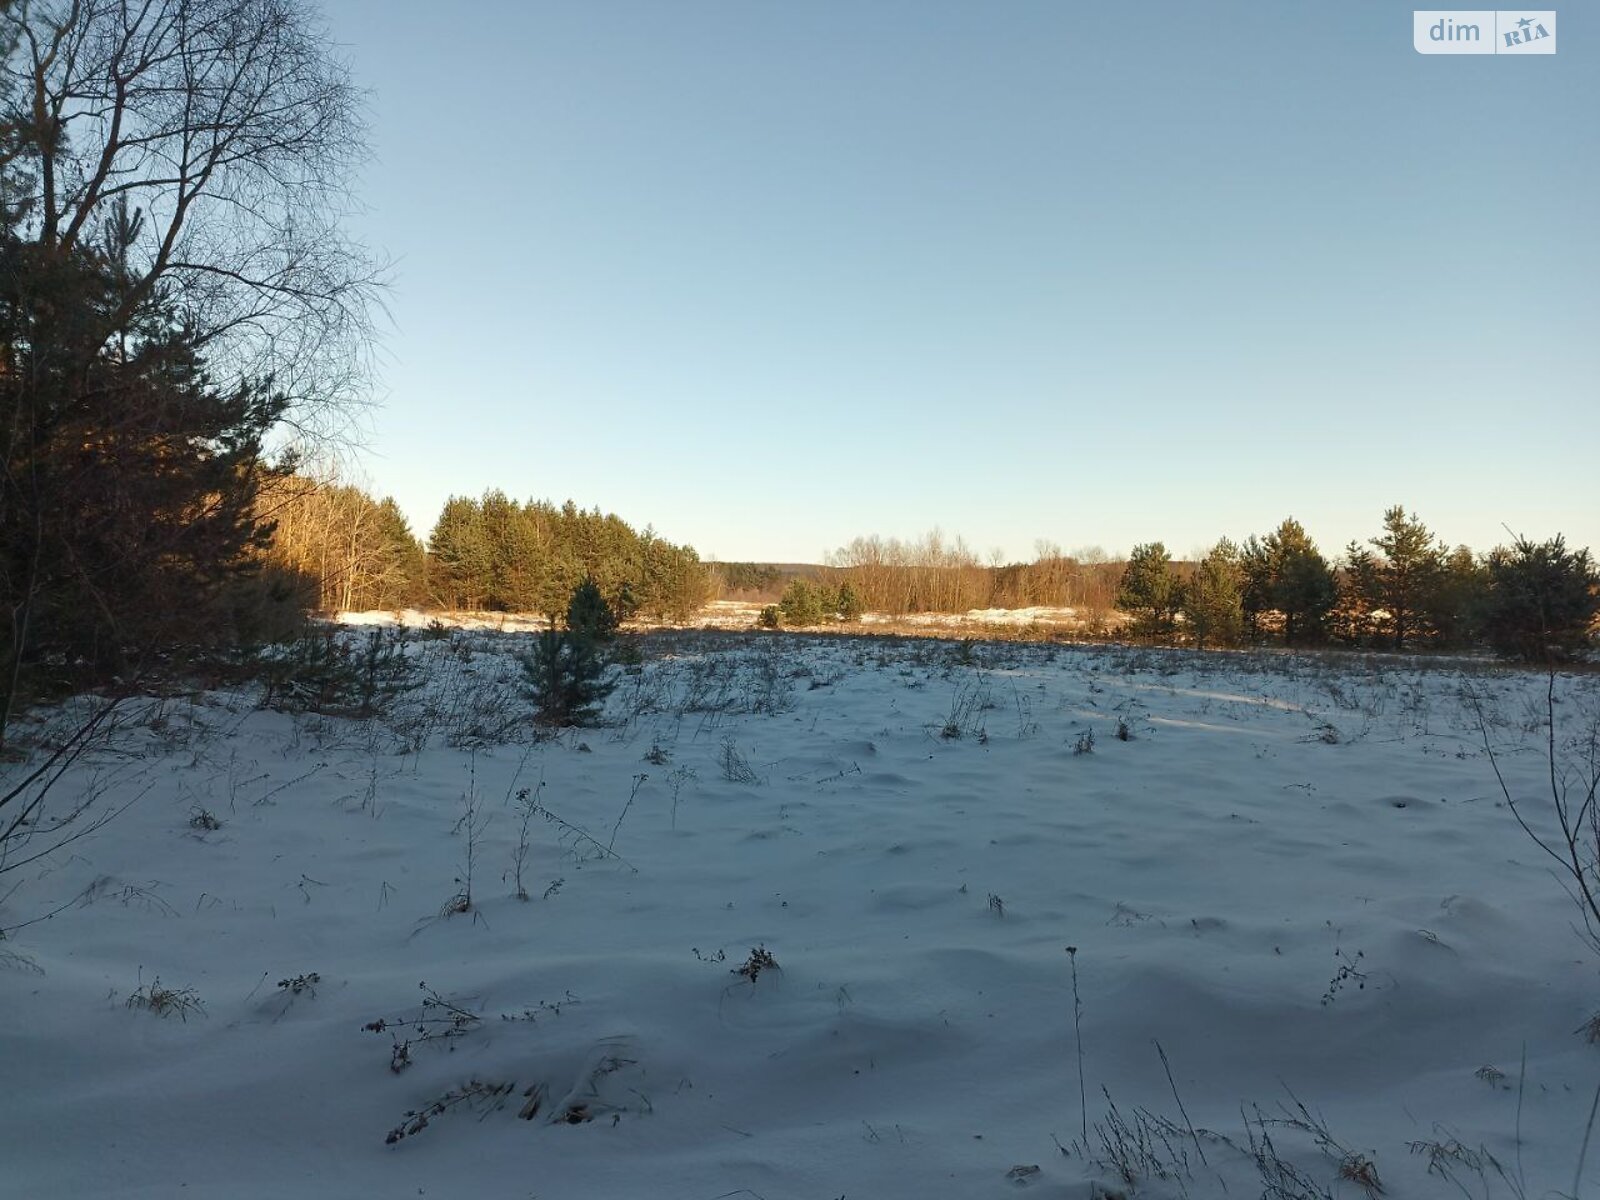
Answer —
357 550
1570 832
228 132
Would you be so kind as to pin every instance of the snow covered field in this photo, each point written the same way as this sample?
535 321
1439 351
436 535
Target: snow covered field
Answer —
976 622
1298 876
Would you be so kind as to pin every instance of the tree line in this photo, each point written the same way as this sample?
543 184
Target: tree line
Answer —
934 573
346 550
339 548
1401 589
496 553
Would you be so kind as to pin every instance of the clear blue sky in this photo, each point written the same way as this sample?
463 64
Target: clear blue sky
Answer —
770 275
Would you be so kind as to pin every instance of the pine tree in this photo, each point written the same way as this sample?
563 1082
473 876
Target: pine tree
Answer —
1255 596
460 561
1396 587
1455 609
1541 600
1212 601
850 606
627 605
802 604
128 478
512 556
588 614
566 678
1302 586
1150 589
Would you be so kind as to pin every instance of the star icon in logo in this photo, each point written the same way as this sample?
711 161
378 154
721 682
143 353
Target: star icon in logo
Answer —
1524 23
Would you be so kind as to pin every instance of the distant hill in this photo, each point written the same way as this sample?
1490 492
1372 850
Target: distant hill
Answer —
760 581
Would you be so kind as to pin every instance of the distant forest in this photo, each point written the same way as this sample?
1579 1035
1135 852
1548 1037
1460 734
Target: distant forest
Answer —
1403 588
341 549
